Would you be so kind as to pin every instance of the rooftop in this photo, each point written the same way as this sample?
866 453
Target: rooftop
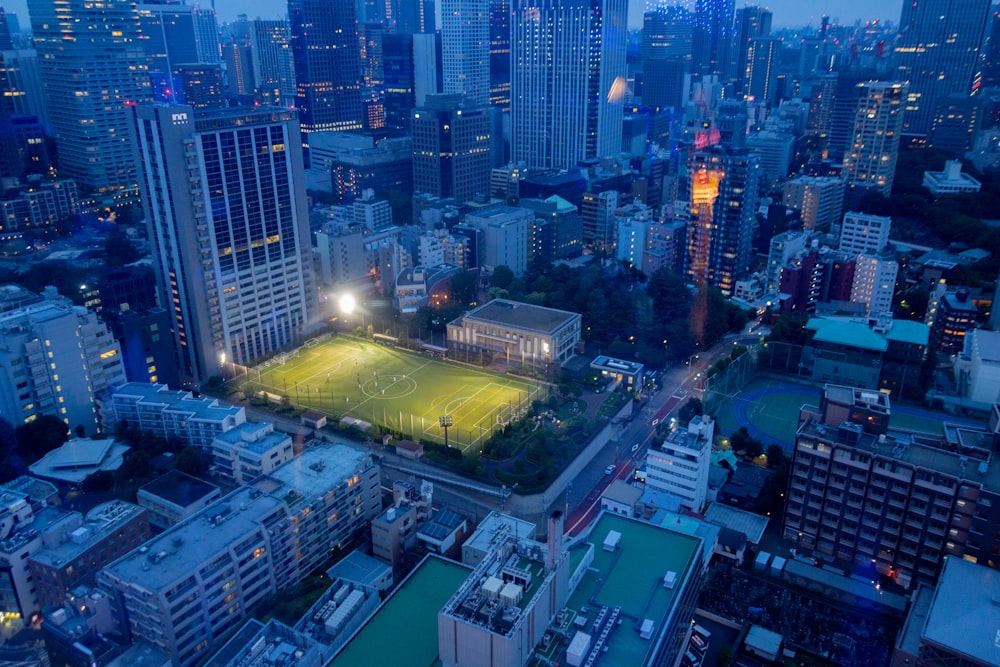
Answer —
632 577
318 469
496 527
256 437
442 524
843 332
521 316
621 492
100 523
908 331
985 345
403 632
204 409
359 568
750 524
79 458
964 615
616 365
179 488
182 549
270 645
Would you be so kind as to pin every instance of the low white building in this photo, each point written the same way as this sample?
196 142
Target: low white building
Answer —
977 368
523 332
951 181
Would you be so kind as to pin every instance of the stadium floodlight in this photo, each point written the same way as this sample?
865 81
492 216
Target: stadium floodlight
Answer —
347 304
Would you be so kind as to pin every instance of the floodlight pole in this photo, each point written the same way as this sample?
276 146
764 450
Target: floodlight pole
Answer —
445 421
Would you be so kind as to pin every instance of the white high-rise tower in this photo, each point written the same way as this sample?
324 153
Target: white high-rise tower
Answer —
465 48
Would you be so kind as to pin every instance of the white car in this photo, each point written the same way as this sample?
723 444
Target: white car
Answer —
609 470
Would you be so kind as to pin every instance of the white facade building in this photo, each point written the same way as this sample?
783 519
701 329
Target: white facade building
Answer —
225 204
252 449
874 283
504 237
54 359
820 199
680 466
863 233
978 367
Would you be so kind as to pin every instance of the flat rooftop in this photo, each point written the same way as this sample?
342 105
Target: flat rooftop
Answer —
100 524
517 315
359 568
179 488
750 524
632 577
404 630
318 469
496 527
964 615
186 546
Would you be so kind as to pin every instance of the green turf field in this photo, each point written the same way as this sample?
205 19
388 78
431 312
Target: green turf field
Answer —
404 391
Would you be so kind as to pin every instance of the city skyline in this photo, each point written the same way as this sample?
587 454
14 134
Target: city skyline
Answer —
787 13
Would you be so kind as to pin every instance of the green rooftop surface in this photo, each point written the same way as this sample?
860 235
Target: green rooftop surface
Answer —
632 577
908 331
854 334
404 631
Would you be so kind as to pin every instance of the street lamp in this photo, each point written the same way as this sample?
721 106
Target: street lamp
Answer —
222 363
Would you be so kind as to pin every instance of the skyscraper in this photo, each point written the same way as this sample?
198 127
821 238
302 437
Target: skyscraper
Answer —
273 71
937 51
451 147
567 80
465 48
870 160
224 198
500 54
752 23
713 35
723 200
327 64
93 67
761 74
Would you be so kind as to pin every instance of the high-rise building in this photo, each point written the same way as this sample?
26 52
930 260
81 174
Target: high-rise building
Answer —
666 56
870 160
177 34
723 197
465 48
224 199
500 54
752 23
93 67
680 465
760 78
713 35
399 80
567 80
327 65
56 358
201 85
451 147
273 70
238 58
937 51
875 283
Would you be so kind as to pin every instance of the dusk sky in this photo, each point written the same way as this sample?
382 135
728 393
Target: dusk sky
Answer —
786 12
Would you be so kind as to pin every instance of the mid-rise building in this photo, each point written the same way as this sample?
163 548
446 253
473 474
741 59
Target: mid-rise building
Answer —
567 80
875 283
244 453
174 496
170 415
106 533
451 147
819 199
951 181
862 493
188 587
56 359
951 320
504 236
38 206
557 231
873 138
864 233
680 465
93 67
782 249
723 199
977 368
228 229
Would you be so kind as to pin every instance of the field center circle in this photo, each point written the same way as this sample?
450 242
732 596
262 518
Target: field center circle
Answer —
387 387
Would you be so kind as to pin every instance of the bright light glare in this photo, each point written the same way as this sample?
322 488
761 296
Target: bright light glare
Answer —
347 303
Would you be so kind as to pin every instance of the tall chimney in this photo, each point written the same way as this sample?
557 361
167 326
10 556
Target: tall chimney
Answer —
554 551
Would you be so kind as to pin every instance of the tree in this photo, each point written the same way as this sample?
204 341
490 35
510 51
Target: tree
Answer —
193 461
775 456
725 656
463 287
99 482
118 248
40 436
80 431
690 410
742 441
502 277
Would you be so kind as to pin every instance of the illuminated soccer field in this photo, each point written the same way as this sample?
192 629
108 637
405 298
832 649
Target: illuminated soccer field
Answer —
403 391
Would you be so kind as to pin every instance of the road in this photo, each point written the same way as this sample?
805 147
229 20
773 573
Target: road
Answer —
583 495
